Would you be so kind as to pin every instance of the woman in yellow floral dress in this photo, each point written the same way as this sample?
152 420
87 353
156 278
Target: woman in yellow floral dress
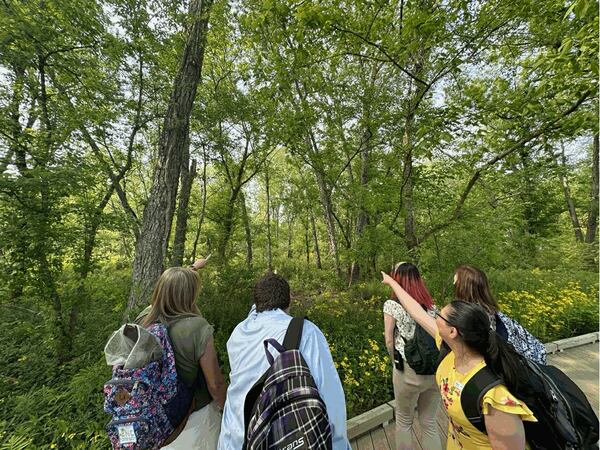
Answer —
465 329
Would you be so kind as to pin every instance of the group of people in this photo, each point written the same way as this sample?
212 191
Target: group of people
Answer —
473 334
470 331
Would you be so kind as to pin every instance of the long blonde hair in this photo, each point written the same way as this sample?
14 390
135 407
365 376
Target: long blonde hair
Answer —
174 295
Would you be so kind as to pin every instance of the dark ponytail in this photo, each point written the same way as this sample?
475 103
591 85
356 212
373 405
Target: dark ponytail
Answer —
473 324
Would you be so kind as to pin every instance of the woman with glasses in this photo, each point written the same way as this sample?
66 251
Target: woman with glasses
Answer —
463 329
412 392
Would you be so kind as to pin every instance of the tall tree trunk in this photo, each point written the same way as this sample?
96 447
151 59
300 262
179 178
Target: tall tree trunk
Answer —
203 208
158 214
363 219
276 208
228 219
17 148
407 189
269 243
289 240
567 193
306 242
592 222
188 173
410 236
43 226
247 229
315 240
325 196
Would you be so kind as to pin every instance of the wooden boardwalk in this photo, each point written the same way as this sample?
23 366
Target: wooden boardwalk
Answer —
579 363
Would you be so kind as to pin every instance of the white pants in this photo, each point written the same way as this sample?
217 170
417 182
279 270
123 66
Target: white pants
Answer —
418 393
201 431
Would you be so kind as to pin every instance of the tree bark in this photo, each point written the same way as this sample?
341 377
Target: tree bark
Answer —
247 229
568 198
43 230
410 237
325 197
316 241
228 219
363 218
306 242
269 243
592 222
18 149
188 173
289 243
151 246
202 210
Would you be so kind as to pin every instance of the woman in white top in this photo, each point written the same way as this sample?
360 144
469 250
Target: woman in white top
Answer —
412 392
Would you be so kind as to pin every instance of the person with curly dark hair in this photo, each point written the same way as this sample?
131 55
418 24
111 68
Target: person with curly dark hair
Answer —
269 318
271 292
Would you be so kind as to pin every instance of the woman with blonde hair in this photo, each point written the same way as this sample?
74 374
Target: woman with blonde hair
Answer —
413 393
174 304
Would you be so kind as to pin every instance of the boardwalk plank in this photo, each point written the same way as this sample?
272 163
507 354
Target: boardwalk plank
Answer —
364 442
581 365
390 432
379 439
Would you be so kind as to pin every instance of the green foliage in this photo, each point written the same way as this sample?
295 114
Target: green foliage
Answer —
391 131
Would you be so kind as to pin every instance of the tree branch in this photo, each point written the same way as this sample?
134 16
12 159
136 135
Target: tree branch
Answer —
479 172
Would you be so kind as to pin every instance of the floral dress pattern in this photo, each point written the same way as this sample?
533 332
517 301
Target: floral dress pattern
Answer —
461 434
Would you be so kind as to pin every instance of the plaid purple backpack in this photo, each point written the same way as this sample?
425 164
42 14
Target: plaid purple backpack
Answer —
283 410
148 403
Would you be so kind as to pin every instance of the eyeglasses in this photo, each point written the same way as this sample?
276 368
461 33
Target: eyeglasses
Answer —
437 313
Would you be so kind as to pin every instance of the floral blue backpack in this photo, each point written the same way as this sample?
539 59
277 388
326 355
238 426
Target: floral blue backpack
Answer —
146 399
517 335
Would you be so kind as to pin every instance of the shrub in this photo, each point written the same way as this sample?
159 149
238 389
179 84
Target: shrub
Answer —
553 312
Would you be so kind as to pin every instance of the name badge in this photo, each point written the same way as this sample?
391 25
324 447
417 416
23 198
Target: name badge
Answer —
459 386
127 434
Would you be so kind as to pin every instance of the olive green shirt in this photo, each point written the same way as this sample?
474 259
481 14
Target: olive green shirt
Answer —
189 336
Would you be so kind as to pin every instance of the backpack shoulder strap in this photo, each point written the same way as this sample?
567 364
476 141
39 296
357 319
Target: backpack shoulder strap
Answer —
250 401
294 334
501 328
472 394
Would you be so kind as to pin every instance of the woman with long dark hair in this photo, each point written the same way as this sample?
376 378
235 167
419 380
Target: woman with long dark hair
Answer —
412 392
464 330
471 285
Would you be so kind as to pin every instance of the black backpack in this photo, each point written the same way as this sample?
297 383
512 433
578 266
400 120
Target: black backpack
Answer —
565 418
283 410
420 352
